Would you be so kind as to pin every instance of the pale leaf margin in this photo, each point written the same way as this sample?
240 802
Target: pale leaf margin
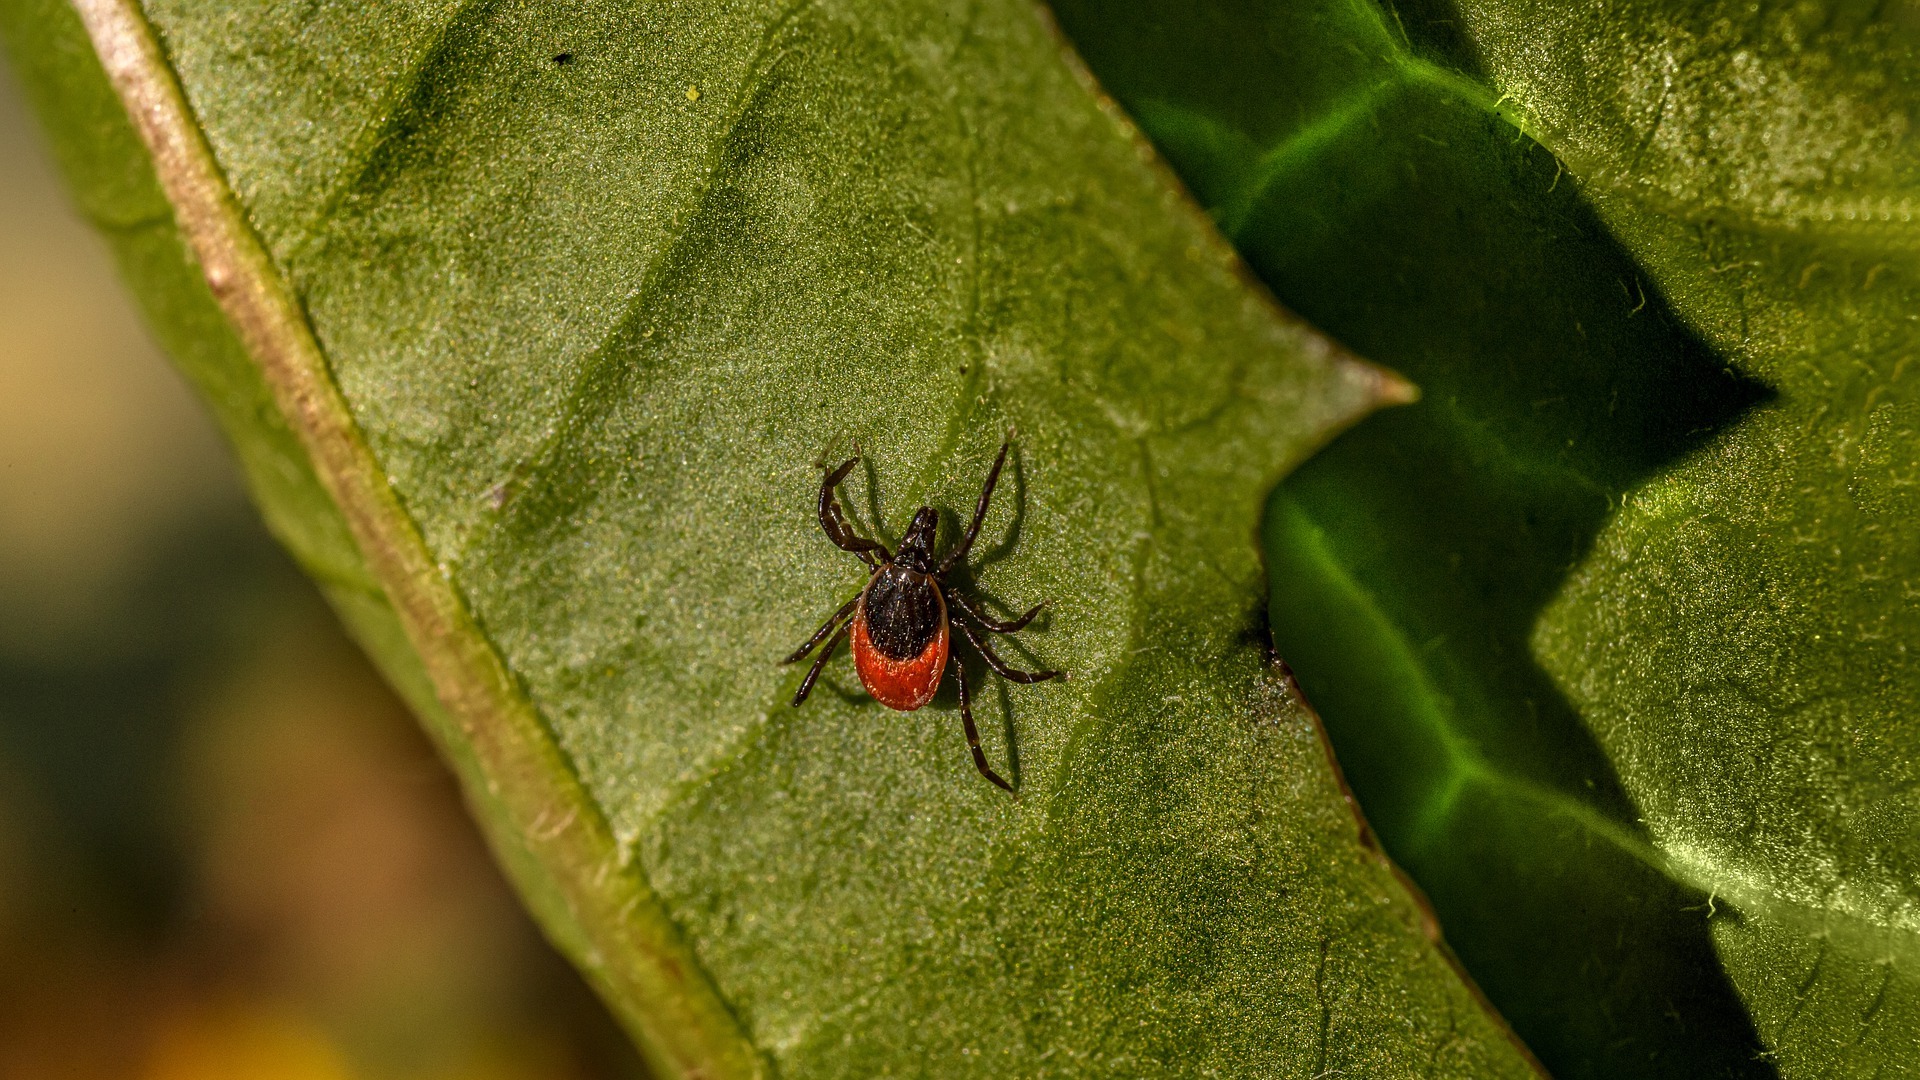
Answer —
637 957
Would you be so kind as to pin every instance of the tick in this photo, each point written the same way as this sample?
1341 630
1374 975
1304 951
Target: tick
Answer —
900 622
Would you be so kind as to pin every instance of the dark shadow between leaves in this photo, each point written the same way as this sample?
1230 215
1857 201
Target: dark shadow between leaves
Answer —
1411 560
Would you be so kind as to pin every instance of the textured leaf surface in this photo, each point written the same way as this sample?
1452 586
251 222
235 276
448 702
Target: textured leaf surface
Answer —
1613 631
597 284
1742 639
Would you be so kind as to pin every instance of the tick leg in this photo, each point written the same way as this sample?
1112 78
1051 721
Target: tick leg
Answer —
826 654
979 512
820 635
1000 667
834 522
973 733
997 627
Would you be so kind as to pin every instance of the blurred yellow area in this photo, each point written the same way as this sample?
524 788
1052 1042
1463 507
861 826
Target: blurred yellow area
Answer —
226 852
243 1043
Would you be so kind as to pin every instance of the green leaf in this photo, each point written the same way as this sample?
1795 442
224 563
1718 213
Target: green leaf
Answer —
537 318
1612 631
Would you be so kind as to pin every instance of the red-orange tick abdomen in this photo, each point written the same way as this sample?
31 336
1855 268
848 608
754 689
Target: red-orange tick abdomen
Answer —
904 684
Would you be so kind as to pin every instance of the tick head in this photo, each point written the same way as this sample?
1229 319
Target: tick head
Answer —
916 547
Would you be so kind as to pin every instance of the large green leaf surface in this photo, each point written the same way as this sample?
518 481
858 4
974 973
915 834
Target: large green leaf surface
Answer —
1615 631
598 284
1754 677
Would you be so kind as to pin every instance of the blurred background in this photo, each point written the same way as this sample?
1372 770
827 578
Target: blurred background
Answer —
226 851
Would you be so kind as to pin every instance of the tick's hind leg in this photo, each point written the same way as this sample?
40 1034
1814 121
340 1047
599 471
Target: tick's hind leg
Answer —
1001 667
1013 627
973 733
834 522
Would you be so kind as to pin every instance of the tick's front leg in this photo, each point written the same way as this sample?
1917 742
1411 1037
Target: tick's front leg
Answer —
979 511
834 522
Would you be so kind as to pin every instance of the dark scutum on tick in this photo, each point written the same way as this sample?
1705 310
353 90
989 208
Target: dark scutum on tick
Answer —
900 622
903 612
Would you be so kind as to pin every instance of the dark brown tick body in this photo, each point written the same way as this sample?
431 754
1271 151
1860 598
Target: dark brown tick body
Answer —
900 623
